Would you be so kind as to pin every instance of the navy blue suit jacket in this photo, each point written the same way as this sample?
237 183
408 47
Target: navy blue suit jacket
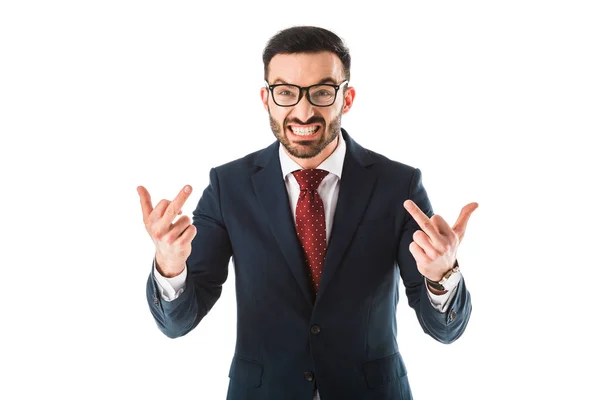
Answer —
345 339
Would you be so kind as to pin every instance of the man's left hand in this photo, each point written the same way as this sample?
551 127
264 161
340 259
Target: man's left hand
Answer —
434 247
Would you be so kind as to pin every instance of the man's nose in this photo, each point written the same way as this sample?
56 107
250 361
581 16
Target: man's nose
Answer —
303 110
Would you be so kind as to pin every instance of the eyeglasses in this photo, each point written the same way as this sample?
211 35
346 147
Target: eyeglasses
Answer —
320 95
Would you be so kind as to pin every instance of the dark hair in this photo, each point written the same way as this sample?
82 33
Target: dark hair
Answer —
306 39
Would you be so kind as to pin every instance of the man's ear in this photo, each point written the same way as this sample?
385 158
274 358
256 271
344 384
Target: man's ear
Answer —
264 95
348 99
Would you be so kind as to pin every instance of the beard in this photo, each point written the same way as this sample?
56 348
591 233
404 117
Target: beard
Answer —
307 148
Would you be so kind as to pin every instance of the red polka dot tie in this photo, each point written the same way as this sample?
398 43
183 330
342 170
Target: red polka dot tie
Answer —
310 221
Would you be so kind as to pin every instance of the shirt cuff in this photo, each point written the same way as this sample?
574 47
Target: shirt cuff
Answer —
169 288
441 302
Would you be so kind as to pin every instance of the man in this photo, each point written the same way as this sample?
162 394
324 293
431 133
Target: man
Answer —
320 231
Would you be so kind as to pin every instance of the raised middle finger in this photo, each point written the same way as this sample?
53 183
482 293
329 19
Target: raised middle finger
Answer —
173 209
177 203
422 220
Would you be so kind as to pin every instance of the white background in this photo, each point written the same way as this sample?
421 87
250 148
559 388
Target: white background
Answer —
496 102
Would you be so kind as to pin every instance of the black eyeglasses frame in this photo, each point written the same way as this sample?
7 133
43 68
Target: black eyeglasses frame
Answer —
302 89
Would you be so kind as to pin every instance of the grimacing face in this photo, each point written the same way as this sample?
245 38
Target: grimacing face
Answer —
305 130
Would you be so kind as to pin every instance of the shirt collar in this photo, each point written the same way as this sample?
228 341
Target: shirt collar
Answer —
332 164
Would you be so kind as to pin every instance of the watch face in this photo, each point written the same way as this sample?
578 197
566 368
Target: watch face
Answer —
454 278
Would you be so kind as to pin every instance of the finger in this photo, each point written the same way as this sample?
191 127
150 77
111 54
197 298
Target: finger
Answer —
425 244
422 220
154 224
164 204
418 254
145 201
187 236
177 229
177 203
461 223
158 211
441 225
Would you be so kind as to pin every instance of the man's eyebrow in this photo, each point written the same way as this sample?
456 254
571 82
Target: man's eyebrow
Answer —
324 80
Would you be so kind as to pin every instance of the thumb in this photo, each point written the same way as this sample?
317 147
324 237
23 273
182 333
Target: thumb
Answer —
461 223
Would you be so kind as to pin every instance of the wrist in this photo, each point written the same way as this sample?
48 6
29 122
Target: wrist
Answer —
447 280
166 270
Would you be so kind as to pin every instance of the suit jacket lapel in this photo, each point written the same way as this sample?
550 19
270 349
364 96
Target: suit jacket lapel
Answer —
356 186
272 195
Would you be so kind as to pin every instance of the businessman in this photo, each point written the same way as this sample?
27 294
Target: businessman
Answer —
321 231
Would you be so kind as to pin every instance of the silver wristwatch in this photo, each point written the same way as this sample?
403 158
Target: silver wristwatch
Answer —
439 285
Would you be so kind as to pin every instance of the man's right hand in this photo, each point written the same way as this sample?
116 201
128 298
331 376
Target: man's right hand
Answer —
173 241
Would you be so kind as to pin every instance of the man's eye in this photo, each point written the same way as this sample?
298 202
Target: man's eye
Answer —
323 93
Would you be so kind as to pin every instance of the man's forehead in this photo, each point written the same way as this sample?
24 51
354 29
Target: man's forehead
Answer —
315 82
306 68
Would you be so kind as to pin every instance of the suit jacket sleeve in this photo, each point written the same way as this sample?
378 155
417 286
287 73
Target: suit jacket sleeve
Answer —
444 327
207 268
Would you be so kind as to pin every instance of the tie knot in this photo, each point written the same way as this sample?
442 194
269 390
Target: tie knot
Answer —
310 179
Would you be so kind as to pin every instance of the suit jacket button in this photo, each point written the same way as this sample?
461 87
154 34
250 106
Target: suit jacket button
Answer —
315 329
452 314
309 376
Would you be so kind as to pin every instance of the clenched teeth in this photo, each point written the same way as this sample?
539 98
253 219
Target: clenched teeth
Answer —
304 131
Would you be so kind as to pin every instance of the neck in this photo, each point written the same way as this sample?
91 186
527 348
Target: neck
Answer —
314 162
